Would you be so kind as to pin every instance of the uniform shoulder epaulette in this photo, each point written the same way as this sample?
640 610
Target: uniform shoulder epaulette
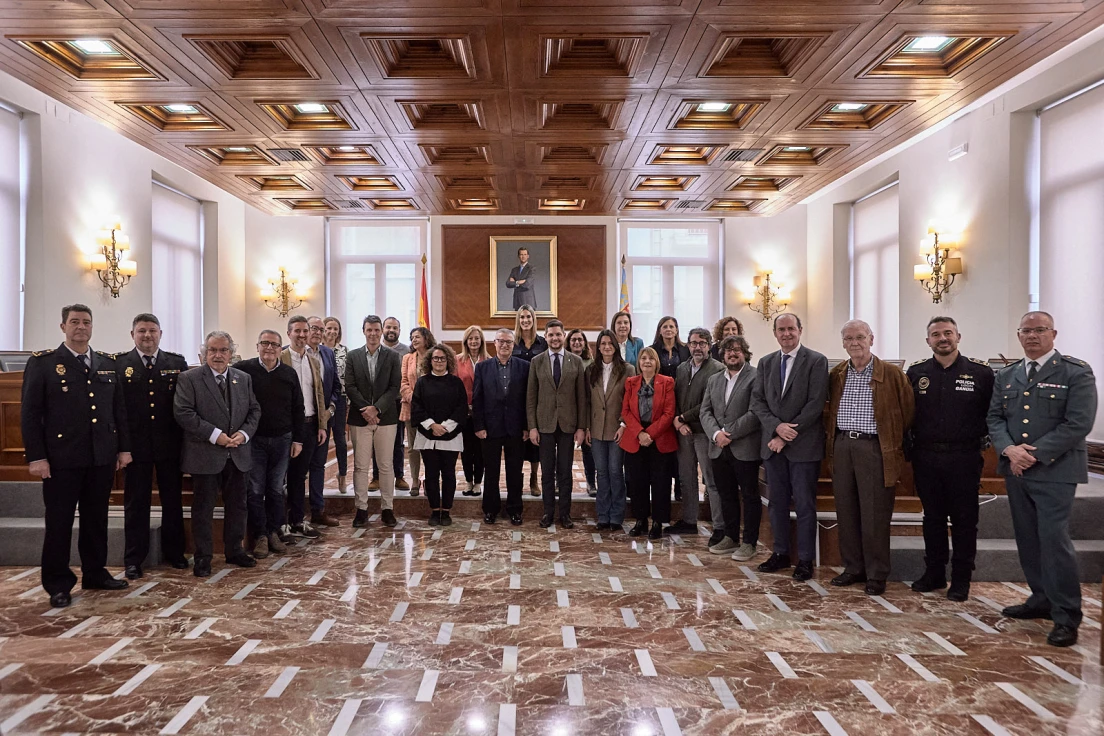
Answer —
106 355
979 361
918 362
1075 361
40 353
175 355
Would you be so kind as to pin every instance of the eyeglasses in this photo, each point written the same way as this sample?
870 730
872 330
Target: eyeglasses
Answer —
218 351
698 344
315 328
504 342
439 359
1034 330
267 344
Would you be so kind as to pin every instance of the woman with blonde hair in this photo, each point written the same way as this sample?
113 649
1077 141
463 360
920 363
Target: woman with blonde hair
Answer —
331 338
421 340
527 345
473 350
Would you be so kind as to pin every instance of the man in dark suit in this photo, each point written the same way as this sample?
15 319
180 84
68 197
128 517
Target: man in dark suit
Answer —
1042 410
789 400
498 417
555 408
734 442
372 377
75 437
147 378
218 412
521 281
331 392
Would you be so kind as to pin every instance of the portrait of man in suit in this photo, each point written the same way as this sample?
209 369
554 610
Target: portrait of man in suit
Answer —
523 273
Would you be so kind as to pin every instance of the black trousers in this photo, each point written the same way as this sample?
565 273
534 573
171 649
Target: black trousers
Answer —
472 457
440 477
947 484
556 451
90 488
205 490
310 462
649 480
137 495
738 486
493 449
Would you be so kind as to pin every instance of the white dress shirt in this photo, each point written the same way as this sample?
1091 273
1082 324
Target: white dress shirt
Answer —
216 432
1041 360
302 366
789 365
730 383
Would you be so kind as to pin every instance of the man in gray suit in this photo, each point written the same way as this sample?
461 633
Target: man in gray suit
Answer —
218 412
1042 410
694 445
556 411
372 377
733 432
789 400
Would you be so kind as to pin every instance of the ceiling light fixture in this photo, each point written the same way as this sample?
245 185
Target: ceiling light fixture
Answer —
849 107
94 46
346 148
181 109
927 44
714 107
311 108
795 148
238 149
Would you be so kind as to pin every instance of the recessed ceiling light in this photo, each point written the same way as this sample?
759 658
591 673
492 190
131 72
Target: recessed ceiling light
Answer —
310 108
94 46
346 148
238 149
714 107
849 107
928 43
795 148
182 109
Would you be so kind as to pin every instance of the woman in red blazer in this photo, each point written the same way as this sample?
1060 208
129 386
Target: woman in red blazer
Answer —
648 411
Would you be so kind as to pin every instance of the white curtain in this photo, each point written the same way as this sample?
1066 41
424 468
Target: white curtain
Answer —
876 269
1071 229
11 239
177 268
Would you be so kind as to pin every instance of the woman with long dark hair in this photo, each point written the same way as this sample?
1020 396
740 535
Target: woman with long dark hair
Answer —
576 343
629 346
439 411
605 381
421 340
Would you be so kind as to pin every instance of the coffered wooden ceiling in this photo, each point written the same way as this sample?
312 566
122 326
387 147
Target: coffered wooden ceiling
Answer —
736 107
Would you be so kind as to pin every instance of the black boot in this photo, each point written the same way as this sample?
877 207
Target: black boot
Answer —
934 578
640 528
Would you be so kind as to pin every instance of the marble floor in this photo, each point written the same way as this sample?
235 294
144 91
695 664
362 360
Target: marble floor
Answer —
479 629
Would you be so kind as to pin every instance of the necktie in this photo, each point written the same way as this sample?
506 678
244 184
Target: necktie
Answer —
221 381
1032 369
556 369
149 361
85 362
785 361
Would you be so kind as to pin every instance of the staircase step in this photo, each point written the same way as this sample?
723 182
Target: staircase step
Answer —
19 499
997 559
21 541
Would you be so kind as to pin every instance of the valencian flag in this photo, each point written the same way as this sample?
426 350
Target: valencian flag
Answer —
423 300
623 304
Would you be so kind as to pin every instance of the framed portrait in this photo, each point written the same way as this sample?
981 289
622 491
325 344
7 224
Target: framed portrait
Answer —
523 271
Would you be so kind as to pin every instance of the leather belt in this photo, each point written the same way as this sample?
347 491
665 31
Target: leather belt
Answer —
852 435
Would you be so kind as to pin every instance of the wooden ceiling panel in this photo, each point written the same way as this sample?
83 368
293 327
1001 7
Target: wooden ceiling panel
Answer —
324 107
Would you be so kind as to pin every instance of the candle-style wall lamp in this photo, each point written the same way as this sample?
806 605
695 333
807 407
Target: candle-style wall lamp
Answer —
938 271
767 299
280 294
109 260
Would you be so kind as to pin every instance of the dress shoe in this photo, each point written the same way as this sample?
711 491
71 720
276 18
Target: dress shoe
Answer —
387 516
592 491
401 484
435 518
715 537
848 578
959 591
566 522
930 580
181 564
515 519
681 527
374 485
656 531
803 570
202 567
490 518
133 572
107 584
360 519
775 563
641 527
275 544
1062 636
602 526
1025 611
874 587
324 519
446 518
546 521
260 547
60 600
241 559
723 547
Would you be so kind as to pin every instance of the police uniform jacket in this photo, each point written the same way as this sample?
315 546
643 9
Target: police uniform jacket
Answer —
70 417
951 404
1054 413
154 434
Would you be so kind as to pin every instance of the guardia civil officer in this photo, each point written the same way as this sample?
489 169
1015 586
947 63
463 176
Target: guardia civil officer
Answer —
949 432
75 437
147 377
1042 410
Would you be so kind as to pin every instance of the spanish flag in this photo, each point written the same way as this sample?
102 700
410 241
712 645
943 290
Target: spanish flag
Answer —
423 300
623 303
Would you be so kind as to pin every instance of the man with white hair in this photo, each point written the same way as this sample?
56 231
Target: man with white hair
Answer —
870 406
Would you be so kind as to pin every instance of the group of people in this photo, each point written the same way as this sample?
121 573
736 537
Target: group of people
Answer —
645 418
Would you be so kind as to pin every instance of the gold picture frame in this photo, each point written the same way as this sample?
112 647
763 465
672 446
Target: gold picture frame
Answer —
505 258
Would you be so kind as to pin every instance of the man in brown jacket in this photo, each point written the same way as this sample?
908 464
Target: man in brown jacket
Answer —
870 405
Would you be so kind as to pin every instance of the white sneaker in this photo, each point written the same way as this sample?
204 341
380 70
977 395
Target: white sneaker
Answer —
476 489
744 553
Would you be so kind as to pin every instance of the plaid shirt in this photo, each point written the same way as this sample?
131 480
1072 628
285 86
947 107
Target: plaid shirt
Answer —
856 407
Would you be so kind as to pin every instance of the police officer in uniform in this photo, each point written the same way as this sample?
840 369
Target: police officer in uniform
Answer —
75 437
1040 415
147 376
948 434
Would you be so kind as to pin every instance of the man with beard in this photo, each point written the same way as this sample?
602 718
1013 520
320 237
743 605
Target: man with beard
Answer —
952 395
391 328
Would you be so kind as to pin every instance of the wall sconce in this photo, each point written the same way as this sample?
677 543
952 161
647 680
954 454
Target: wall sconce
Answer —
938 271
767 300
109 262
280 294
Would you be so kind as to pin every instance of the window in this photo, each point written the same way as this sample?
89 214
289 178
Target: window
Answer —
875 268
176 255
11 232
375 269
1071 228
672 269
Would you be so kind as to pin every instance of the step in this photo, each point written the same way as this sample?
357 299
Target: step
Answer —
997 560
20 499
995 516
21 542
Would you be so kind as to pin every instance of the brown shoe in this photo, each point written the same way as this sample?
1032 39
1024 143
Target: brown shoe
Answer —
373 486
324 519
260 548
274 544
401 484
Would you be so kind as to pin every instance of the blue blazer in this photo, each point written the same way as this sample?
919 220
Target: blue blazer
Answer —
331 386
632 350
500 413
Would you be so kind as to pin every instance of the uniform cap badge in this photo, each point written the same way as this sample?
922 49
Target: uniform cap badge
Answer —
924 382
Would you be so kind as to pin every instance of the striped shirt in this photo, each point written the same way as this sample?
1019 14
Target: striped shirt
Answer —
856 407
